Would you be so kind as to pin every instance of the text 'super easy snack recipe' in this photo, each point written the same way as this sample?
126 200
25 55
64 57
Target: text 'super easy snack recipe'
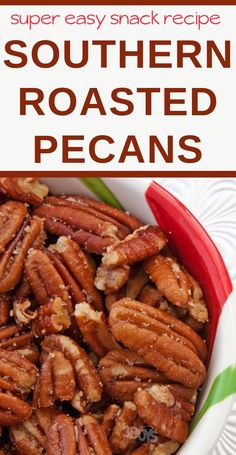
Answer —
100 349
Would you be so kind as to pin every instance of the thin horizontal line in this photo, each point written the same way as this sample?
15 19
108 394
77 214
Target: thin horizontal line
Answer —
118 173
120 2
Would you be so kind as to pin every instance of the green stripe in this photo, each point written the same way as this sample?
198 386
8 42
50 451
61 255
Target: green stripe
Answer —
223 386
101 190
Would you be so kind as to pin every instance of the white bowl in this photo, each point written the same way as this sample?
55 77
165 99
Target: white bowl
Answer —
215 433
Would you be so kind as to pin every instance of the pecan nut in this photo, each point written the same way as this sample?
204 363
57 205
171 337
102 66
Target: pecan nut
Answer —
70 283
56 381
77 219
159 448
150 295
111 279
79 266
94 225
94 329
113 297
123 438
88 385
13 258
16 373
12 215
161 340
177 285
196 304
133 283
100 209
169 278
24 189
4 309
111 226
17 378
167 414
91 437
13 409
142 243
14 338
29 437
44 279
108 419
22 311
52 317
138 278
123 372
23 291
61 438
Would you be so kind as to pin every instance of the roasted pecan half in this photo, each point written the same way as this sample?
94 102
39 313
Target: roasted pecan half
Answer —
133 284
101 210
23 312
142 243
24 189
177 285
169 278
161 340
110 227
17 378
16 373
123 437
196 304
4 309
111 279
23 291
81 269
88 385
167 414
123 372
91 437
90 243
29 437
113 297
14 338
53 317
45 280
109 417
159 448
13 409
56 381
66 219
94 329
61 438
13 258
150 295
138 278
12 215
94 225
69 281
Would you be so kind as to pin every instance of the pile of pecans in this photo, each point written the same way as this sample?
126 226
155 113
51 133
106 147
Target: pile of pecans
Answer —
100 345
